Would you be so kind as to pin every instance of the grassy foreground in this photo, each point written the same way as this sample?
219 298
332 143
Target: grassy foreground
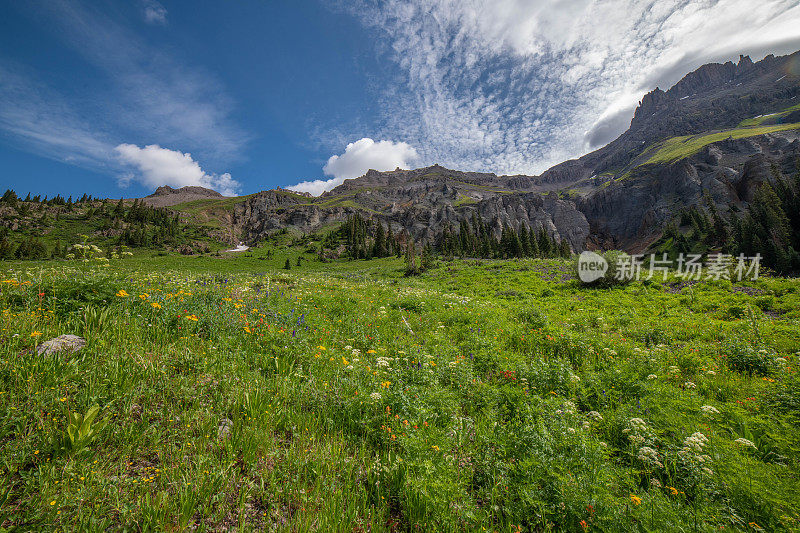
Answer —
482 396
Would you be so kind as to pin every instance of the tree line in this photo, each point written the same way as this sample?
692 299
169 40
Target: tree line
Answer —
365 238
134 225
770 226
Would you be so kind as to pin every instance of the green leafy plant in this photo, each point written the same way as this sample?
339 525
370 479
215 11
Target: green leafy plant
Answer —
82 430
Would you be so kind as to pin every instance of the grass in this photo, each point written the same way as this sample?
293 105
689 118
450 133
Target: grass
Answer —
483 395
677 148
757 121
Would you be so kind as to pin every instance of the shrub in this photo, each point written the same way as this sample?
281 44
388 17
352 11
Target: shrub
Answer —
613 275
746 359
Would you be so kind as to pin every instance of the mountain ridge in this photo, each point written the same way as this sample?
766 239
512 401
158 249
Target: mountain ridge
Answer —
713 132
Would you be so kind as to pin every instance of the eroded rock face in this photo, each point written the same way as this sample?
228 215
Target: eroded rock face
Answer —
421 202
634 210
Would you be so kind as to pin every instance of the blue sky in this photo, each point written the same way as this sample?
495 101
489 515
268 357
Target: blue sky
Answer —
116 98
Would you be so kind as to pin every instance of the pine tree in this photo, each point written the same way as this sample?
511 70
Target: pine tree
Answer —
379 246
411 259
119 211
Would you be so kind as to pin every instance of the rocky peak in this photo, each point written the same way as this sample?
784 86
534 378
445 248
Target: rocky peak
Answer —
166 190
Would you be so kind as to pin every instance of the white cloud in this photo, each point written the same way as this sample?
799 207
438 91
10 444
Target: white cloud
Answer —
366 154
518 85
316 187
162 166
155 13
358 157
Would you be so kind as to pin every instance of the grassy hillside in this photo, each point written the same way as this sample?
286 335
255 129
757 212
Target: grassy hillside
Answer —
679 147
484 395
757 121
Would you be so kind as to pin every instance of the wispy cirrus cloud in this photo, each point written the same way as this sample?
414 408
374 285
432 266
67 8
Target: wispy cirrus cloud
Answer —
518 85
154 12
147 96
38 119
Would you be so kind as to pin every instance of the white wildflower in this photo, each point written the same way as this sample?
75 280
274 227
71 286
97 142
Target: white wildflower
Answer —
709 410
638 424
376 396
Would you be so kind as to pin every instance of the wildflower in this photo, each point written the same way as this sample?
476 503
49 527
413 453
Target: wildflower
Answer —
689 385
569 407
36 333
711 373
144 296
376 396
695 443
638 424
247 329
637 439
655 483
635 499
348 347
744 443
649 455
571 430
122 294
652 377
594 415
709 410
193 318
371 351
673 490
155 305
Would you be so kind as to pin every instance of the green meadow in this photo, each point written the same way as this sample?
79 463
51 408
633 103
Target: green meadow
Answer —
226 393
677 148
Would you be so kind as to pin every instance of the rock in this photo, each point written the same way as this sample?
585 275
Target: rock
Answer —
71 343
224 429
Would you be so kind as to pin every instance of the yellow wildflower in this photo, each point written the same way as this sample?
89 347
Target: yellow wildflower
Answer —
155 305
36 333
635 499
122 294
